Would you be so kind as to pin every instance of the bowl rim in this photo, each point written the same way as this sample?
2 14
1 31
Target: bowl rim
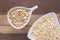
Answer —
10 20
52 14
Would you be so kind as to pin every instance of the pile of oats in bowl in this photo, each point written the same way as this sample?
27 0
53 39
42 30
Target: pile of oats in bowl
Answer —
19 16
45 29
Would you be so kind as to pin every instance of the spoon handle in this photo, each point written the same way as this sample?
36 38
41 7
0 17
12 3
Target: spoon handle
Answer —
33 8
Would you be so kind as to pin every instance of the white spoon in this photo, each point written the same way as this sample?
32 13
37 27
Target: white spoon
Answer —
30 13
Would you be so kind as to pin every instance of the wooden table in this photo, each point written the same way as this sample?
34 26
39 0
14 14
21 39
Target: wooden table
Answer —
9 33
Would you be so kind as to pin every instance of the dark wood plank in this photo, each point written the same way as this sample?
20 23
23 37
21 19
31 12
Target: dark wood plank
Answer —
13 36
45 6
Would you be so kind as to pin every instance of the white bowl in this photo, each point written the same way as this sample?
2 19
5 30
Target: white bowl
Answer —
52 14
31 10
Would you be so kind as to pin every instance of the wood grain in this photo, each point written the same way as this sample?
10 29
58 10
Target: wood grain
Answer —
44 6
32 20
6 28
9 33
13 37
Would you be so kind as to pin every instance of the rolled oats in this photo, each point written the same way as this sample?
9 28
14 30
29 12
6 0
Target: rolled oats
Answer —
46 29
19 16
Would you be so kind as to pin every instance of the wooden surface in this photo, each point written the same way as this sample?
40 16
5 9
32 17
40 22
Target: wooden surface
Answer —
9 33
